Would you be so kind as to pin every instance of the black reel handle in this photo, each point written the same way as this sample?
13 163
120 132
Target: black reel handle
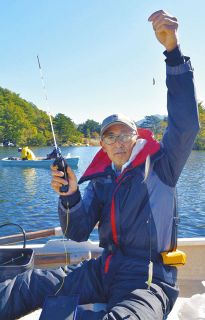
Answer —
62 166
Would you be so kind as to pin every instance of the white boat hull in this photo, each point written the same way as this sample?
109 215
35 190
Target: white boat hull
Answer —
56 253
190 277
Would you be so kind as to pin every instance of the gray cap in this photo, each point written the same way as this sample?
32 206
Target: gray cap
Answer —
118 118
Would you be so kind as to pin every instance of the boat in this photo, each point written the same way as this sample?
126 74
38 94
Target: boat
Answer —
58 252
7 143
39 162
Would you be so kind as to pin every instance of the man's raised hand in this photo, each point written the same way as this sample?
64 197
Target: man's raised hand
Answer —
165 27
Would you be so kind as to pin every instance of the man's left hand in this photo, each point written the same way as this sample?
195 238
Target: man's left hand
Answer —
165 27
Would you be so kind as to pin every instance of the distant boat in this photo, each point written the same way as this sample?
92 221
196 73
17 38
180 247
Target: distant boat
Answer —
39 162
7 143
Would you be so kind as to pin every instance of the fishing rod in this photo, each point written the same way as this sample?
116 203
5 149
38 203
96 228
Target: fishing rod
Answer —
59 161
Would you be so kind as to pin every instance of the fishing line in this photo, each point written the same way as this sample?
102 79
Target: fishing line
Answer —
46 99
12 260
66 253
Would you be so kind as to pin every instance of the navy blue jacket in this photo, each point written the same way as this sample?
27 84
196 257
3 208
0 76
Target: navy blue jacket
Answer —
136 215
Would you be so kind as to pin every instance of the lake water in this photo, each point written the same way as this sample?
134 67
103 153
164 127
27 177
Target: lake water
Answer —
26 197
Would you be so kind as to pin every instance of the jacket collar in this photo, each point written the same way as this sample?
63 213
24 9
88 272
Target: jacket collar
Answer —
101 162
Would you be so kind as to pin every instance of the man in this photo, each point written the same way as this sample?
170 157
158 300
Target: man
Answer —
27 154
131 193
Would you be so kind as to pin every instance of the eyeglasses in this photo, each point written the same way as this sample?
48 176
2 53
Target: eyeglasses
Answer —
124 138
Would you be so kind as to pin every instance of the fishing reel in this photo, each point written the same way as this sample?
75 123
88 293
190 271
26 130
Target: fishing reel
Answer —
61 165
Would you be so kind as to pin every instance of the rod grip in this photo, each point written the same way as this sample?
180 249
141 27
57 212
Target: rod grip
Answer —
62 166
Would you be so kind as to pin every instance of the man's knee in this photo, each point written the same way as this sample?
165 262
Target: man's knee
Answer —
27 291
139 304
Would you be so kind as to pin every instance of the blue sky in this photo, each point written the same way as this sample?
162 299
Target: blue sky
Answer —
98 56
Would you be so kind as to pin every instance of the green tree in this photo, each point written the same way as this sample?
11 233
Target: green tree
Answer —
22 122
89 127
65 129
200 139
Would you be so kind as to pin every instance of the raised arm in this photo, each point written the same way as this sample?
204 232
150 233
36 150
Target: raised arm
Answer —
182 110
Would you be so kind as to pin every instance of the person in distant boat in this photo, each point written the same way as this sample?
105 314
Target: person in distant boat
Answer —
27 154
131 195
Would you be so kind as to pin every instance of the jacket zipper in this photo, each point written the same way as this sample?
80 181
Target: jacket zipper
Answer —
113 223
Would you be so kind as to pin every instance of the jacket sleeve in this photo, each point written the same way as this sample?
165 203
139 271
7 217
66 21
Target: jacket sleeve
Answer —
78 222
183 124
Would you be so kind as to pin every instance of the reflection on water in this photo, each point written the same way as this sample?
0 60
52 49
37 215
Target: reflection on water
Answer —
30 176
27 198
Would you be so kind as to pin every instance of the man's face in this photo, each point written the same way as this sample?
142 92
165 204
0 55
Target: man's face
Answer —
119 152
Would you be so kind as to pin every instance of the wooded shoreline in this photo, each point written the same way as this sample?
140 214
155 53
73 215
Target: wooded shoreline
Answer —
22 123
